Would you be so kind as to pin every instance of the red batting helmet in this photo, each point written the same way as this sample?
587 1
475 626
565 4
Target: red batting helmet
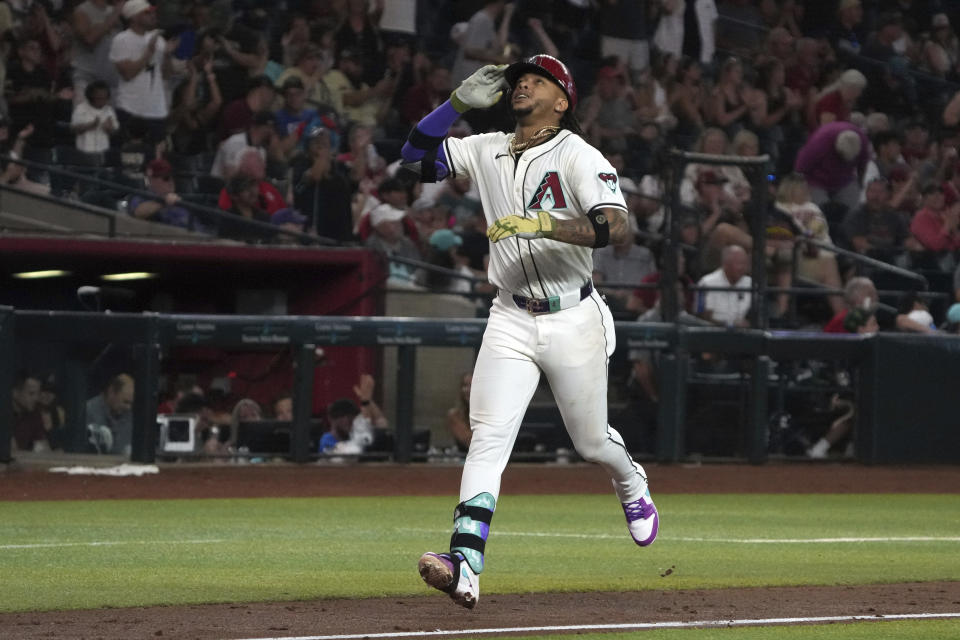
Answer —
548 67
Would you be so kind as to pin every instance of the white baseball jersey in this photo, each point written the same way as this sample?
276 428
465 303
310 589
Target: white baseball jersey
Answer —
565 176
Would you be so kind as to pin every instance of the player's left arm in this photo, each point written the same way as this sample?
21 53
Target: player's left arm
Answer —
581 231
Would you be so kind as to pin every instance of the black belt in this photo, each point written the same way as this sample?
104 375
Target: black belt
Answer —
553 303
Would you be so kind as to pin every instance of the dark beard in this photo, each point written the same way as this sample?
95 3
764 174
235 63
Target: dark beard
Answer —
521 112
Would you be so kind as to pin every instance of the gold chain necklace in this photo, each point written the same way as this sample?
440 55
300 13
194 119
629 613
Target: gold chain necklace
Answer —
520 147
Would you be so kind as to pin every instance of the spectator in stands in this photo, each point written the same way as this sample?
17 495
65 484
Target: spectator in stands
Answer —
803 73
773 107
428 217
482 43
458 416
736 188
941 53
310 70
12 173
728 308
860 295
93 121
351 427
94 23
815 263
443 250
196 102
165 205
259 136
832 160
295 36
621 263
28 430
846 35
245 410
935 225
238 116
727 106
322 190
607 115
461 199
886 148
112 410
874 228
30 97
358 32
388 238
244 195
283 407
425 96
836 101
252 165
293 116
353 99
142 58
913 315
361 157
52 413
251 55
687 99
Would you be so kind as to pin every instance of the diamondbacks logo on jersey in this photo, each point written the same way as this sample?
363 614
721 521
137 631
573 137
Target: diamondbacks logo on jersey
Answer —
610 179
549 195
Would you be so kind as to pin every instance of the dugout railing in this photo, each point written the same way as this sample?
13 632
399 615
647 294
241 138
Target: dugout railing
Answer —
905 411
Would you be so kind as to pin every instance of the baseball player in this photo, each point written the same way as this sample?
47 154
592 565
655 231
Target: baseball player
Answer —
549 199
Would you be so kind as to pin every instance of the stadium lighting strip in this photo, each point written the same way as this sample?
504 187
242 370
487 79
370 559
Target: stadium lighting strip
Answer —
39 275
746 622
124 277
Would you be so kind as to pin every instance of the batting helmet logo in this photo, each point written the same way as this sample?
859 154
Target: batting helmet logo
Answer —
610 179
546 66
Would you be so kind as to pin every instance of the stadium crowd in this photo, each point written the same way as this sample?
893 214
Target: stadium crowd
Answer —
293 112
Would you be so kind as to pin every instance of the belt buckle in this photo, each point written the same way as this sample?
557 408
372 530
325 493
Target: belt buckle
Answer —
531 306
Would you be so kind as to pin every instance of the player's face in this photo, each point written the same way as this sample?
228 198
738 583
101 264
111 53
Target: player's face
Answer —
535 95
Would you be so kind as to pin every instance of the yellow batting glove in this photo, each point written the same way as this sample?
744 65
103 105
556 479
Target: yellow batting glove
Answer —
527 228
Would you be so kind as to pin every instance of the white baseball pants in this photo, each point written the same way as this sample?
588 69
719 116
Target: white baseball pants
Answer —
572 347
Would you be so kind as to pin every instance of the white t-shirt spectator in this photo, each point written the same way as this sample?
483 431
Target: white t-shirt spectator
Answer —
727 307
144 94
230 152
94 140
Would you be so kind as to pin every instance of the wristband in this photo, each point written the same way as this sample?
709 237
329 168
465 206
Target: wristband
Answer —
601 228
459 105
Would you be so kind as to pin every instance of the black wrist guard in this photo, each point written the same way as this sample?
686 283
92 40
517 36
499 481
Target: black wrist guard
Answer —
601 228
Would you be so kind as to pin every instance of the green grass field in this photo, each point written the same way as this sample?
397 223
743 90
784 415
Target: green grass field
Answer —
64 555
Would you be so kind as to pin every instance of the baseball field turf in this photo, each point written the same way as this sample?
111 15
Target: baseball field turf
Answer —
120 553
61 555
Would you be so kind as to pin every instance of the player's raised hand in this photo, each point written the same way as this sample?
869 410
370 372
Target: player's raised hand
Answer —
527 228
481 90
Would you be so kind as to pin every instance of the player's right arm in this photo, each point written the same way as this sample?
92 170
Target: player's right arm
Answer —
423 151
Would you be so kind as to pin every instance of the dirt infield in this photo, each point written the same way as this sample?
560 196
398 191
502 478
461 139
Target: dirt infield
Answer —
434 611
252 481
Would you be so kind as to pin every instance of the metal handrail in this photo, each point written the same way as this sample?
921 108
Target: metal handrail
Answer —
192 208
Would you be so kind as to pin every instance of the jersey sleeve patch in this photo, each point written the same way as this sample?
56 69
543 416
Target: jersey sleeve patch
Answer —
609 179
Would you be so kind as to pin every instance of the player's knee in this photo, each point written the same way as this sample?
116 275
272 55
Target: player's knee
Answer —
590 448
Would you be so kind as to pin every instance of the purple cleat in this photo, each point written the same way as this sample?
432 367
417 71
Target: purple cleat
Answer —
642 520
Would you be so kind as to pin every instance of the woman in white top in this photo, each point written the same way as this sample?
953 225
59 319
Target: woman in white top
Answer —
793 198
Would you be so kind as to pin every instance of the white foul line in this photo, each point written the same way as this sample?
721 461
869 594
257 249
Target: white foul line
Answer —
106 543
638 626
607 536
